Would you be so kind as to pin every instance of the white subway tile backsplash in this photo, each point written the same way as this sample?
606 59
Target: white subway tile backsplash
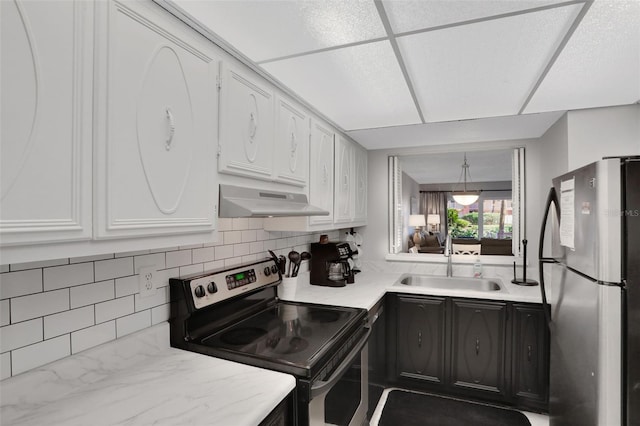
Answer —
240 223
68 321
93 336
160 313
161 297
20 334
14 284
5 316
224 252
225 224
113 309
256 247
90 258
178 258
206 254
5 365
249 236
35 265
132 323
232 237
157 260
241 249
256 223
191 269
40 354
39 305
92 293
67 276
68 305
115 268
127 285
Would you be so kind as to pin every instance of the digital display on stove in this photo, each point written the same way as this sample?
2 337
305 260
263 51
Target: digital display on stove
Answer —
241 279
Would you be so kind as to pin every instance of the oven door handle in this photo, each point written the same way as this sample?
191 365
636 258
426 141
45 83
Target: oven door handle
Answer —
319 387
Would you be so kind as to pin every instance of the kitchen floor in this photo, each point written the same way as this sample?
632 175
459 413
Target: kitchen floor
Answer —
534 418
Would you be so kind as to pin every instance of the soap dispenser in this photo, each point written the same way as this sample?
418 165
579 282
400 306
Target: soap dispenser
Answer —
477 268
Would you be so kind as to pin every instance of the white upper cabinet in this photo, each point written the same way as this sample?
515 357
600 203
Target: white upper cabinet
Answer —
321 171
156 108
246 125
45 139
344 179
360 185
291 153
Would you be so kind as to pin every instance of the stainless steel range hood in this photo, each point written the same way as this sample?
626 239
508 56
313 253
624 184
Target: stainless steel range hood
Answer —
237 201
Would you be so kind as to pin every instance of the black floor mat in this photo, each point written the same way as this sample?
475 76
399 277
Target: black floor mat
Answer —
413 409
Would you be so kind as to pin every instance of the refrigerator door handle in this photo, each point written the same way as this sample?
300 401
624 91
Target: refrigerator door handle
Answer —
551 198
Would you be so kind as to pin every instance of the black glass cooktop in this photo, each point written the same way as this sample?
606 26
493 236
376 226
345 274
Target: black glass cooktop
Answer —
286 333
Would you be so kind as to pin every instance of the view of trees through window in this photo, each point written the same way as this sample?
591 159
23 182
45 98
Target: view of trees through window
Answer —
487 218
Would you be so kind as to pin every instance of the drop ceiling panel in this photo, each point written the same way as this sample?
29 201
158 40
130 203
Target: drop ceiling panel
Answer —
357 87
452 132
269 29
413 15
600 65
486 69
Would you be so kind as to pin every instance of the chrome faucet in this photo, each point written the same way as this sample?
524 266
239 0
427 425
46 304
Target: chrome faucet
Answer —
448 252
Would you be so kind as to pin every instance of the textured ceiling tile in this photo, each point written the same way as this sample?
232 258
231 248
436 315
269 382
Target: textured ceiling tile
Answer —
485 69
357 87
269 29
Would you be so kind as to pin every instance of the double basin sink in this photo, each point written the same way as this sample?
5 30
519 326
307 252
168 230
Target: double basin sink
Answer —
450 283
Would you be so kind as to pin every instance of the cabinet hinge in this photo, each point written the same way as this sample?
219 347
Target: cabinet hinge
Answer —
218 83
219 151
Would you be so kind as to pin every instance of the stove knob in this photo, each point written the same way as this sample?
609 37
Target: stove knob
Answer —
211 288
199 291
267 271
274 269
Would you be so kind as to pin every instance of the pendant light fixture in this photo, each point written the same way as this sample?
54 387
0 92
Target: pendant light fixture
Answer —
465 197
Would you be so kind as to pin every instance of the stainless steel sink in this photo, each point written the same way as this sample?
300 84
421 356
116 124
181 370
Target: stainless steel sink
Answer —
454 283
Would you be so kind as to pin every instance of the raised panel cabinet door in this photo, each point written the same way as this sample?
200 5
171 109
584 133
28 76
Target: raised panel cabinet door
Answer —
246 125
478 346
157 109
360 185
291 145
530 348
321 161
45 125
343 202
421 338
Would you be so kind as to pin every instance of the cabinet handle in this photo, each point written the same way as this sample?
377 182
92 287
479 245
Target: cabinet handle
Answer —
529 353
477 346
419 339
172 129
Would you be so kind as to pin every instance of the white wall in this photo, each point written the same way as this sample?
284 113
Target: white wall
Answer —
599 132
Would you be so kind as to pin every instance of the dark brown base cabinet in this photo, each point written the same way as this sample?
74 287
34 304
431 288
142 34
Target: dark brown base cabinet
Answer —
482 349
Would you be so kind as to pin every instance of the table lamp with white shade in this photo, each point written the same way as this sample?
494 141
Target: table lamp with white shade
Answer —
418 221
433 220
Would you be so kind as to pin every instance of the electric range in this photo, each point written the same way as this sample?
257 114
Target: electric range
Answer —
235 314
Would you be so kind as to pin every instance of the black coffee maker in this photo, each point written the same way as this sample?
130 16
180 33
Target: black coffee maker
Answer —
330 264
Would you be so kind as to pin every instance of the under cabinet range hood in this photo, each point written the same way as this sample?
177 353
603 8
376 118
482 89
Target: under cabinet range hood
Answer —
237 201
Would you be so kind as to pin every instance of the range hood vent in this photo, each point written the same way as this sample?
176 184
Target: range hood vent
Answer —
237 201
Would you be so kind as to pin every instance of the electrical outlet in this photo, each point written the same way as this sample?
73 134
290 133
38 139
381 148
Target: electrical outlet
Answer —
147 281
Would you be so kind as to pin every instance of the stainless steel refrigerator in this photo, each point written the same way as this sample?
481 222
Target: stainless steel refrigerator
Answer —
591 281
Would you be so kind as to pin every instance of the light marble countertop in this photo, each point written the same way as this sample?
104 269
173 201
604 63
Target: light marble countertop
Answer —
140 380
371 286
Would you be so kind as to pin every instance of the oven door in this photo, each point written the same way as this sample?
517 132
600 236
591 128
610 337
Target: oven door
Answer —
343 398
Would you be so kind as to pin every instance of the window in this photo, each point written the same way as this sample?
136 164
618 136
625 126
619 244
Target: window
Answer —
490 217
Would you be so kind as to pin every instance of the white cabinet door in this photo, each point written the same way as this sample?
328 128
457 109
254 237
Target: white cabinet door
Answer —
246 125
360 185
343 203
291 146
45 142
321 171
156 115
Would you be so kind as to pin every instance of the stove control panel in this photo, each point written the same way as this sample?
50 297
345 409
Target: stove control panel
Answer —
209 289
